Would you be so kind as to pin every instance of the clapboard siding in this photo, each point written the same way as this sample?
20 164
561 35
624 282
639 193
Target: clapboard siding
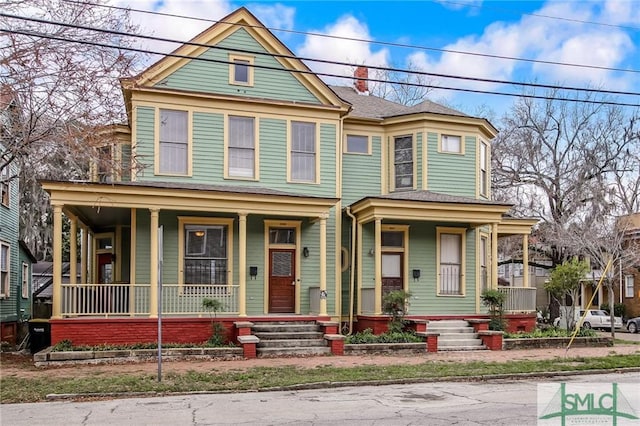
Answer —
361 174
453 174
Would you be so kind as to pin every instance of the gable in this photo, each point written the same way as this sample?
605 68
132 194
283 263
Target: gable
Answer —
211 75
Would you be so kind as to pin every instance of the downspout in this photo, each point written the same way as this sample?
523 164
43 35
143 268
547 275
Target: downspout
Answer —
352 272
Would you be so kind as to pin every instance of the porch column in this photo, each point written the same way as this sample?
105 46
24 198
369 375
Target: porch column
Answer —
377 301
83 254
73 250
323 264
494 255
153 264
56 309
525 260
242 264
359 263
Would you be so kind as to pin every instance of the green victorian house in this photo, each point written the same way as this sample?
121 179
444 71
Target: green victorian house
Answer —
249 180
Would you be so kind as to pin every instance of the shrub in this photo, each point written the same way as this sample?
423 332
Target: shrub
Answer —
367 336
550 332
396 304
494 300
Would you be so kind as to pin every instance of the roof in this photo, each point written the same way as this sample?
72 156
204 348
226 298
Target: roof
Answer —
433 197
369 106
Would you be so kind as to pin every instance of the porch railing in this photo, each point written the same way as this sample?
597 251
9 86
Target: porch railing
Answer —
104 300
519 299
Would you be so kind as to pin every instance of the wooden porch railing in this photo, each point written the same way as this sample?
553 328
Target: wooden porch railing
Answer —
105 300
519 299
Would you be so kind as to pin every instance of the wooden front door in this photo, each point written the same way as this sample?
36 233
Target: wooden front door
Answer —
392 277
282 280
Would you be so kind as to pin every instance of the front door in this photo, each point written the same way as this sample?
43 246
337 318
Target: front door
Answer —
105 268
282 280
392 278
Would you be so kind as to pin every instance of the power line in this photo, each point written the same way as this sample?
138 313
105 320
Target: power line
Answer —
363 40
308 72
385 69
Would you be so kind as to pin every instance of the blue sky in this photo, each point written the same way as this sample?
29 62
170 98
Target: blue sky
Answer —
602 33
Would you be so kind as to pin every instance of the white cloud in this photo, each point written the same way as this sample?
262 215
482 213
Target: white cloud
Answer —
274 16
333 49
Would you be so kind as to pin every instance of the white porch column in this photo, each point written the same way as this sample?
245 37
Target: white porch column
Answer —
525 260
56 309
84 247
494 255
153 264
323 264
378 268
73 250
242 264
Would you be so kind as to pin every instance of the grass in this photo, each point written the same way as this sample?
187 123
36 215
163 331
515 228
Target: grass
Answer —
15 389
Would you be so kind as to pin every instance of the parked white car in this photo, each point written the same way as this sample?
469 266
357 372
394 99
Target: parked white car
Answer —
595 318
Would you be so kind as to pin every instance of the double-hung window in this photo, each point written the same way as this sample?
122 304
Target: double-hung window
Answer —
241 147
451 262
4 270
174 142
628 286
303 151
484 176
241 70
451 143
25 280
4 185
403 162
205 254
484 256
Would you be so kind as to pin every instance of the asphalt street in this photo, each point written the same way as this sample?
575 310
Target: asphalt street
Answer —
512 402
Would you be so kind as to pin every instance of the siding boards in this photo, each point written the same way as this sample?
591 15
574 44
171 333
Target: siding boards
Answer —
440 167
213 77
9 220
144 141
361 174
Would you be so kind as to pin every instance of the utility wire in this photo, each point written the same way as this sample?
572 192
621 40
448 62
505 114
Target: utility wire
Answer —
308 72
363 40
324 61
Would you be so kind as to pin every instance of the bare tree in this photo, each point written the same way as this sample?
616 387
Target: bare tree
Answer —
559 160
403 87
62 90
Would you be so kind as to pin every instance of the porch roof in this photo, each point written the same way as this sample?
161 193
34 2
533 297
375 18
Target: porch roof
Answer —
87 199
428 206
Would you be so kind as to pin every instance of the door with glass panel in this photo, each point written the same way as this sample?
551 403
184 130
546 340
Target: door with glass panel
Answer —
282 285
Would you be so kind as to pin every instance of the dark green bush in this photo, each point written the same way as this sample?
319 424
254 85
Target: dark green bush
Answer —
367 336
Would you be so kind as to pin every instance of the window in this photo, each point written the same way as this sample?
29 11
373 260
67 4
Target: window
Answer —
282 236
628 286
241 70
357 144
25 280
450 143
303 151
484 184
174 129
105 164
4 270
392 239
205 254
241 147
450 261
4 186
484 255
403 162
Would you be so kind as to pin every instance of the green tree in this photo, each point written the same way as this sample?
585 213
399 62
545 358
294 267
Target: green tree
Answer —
564 285
494 300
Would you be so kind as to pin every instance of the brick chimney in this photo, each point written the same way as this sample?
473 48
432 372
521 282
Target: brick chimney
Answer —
361 84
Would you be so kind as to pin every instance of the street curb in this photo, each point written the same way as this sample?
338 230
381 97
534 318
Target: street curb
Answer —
329 385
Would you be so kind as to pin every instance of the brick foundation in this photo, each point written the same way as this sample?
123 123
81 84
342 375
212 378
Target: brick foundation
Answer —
336 343
491 339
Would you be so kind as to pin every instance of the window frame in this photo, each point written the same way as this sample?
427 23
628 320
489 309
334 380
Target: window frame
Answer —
5 271
233 61
629 279
483 169
463 235
5 186
158 143
441 147
183 222
483 261
413 186
227 147
25 280
346 144
290 152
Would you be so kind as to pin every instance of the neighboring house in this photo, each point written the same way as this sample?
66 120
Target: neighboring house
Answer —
629 290
15 257
247 179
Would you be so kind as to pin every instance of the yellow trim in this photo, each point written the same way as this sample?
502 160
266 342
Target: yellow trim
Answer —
481 235
73 249
56 309
404 249
317 152
242 264
377 304
425 160
462 143
117 244
256 148
153 262
346 144
134 142
487 193
132 264
271 224
97 251
5 293
359 265
515 226
463 241
392 164
197 220
156 143
232 69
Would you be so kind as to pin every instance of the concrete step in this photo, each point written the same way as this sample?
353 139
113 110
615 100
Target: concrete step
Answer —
284 328
459 342
292 351
461 348
448 323
456 336
288 335
450 330
280 343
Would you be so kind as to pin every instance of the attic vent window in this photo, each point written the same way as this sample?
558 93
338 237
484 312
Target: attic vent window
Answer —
240 70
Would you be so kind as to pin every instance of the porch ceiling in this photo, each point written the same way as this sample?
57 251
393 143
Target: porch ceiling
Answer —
90 200
100 217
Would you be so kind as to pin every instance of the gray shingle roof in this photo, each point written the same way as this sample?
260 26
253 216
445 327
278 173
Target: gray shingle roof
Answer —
368 106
